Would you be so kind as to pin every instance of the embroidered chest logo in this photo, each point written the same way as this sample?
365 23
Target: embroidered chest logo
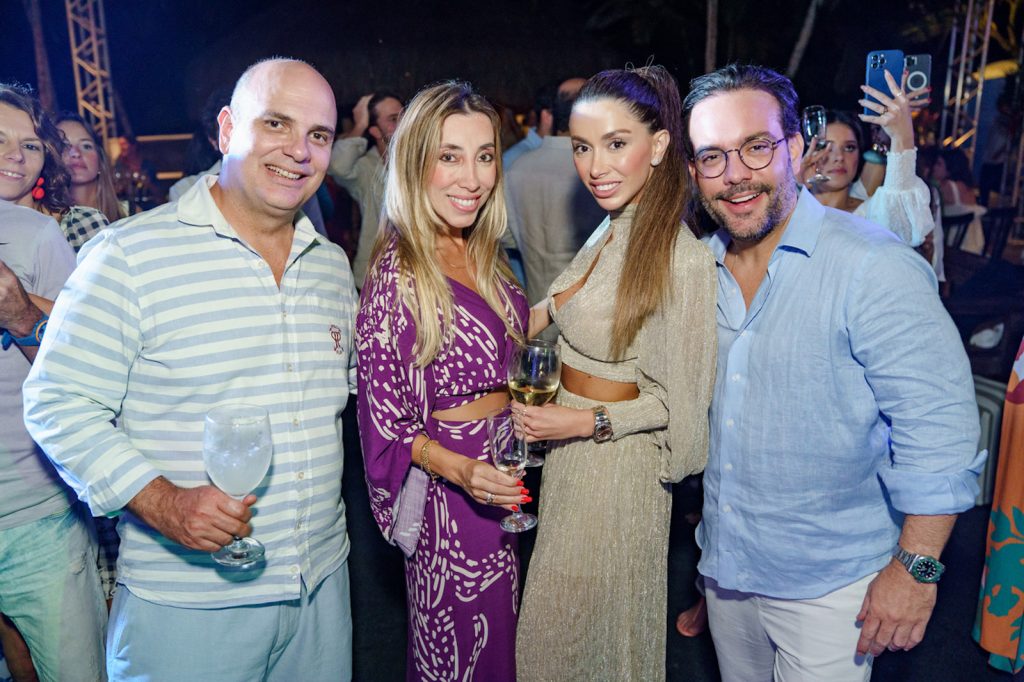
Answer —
336 335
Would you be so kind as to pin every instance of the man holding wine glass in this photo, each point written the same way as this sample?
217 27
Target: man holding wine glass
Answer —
175 320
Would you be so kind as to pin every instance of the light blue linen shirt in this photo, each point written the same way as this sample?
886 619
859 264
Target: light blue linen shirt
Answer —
527 144
843 401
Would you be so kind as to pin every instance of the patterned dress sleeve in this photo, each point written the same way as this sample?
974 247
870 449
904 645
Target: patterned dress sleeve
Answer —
394 399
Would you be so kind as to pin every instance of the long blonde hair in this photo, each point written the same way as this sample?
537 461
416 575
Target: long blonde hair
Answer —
410 219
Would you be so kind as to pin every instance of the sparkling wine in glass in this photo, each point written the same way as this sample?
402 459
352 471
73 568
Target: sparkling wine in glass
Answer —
815 125
509 456
236 451
533 377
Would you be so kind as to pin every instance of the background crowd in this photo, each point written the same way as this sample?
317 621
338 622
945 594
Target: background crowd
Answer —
878 166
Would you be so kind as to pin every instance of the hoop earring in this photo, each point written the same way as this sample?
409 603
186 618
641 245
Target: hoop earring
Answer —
38 192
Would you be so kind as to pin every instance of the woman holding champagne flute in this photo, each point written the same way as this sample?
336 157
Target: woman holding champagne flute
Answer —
440 315
636 312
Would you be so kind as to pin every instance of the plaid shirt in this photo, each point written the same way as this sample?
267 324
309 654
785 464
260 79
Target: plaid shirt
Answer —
80 223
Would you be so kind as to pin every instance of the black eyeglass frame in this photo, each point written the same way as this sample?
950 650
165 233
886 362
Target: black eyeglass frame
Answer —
726 152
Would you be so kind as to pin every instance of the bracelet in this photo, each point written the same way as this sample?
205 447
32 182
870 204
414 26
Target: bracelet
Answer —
425 459
876 154
33 338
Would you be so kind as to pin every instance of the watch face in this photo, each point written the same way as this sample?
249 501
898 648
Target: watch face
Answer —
927 570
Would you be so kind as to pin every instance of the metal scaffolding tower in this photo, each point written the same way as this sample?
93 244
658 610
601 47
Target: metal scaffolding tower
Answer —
91 63
965 80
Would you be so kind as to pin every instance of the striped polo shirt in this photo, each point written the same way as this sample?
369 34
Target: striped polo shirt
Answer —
169 314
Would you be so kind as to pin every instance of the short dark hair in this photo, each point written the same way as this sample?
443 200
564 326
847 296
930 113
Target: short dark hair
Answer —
744 77
378 97
544 98
562 110
958 166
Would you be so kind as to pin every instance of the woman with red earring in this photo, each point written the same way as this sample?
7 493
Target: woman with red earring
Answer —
34 172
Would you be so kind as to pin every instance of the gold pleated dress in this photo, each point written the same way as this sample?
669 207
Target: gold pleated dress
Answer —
594 606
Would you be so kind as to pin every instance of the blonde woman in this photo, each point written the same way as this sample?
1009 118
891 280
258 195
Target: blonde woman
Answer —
439 315
92 179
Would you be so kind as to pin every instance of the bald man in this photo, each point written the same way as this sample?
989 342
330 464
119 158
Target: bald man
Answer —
227 296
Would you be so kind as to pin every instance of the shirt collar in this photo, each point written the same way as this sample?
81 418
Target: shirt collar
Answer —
801 233
197 207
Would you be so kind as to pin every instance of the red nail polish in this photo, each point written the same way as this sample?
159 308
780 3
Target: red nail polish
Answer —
515 507
520 483
526 498
524 491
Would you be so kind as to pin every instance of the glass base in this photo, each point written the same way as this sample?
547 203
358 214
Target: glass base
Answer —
518 522
242 553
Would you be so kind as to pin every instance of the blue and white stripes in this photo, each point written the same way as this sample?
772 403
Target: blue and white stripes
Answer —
168 315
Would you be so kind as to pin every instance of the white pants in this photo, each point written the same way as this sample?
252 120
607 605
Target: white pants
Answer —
759 639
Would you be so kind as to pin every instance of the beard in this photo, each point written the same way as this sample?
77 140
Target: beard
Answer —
781 202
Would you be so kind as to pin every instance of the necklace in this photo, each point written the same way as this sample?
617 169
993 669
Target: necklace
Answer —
440 254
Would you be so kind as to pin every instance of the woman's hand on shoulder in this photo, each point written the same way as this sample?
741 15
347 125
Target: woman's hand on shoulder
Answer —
554 422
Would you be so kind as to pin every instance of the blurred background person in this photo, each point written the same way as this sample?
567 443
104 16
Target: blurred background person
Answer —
357 164
952 173
37 176
550 211
92 179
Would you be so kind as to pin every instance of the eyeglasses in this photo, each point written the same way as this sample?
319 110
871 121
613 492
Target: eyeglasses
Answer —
755 155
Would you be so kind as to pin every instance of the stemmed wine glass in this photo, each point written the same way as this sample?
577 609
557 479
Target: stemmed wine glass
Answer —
509 454
236 451
815 125
533 377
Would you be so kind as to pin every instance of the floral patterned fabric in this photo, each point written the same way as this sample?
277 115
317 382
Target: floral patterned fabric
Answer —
1001 612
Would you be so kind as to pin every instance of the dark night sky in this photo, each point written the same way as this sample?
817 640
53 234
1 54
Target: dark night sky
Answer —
167 55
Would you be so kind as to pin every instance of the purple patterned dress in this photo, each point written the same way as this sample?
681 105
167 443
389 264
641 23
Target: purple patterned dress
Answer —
461 569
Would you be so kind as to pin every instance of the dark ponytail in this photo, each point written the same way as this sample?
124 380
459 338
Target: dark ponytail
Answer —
652 96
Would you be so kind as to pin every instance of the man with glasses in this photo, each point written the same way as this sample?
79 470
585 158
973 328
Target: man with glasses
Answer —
843 425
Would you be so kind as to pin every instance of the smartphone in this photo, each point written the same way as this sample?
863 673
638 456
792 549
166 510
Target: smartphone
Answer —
919 71
878 62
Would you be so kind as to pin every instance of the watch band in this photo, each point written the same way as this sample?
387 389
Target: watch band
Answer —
33 338
602 424
923 568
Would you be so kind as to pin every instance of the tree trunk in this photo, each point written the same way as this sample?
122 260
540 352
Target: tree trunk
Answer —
711 39
44 83
801 42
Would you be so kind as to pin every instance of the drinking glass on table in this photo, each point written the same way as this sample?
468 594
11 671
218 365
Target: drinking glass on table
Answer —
815 125
236 451
509 454
533 377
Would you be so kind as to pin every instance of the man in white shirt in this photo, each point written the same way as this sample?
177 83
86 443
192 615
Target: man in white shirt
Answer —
358 166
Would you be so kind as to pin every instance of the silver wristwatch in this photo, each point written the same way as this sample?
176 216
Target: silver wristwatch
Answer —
924 569
602 424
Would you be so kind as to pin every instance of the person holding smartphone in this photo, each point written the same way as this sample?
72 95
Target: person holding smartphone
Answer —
902 202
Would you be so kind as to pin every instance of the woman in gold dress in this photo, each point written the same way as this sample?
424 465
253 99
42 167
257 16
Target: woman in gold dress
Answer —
636 313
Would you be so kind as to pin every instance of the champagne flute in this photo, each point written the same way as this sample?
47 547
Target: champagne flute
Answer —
533 377
509 456
815 125
236 451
